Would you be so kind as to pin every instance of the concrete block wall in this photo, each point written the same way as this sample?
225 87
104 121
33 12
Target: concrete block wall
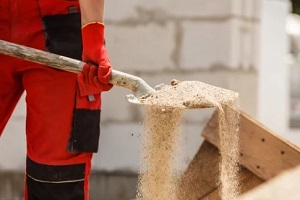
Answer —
212 41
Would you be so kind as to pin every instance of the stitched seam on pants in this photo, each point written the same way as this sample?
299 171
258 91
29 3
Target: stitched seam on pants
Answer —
42 181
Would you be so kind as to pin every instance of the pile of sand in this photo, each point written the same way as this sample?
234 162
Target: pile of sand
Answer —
189 94
160 146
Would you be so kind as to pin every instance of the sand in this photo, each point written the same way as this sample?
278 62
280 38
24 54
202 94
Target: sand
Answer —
158 177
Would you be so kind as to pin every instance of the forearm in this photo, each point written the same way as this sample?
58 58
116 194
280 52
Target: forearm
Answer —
91 11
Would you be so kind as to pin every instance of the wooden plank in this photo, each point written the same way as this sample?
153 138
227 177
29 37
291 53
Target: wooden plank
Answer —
201 179
201 176
284 186
214 195
262 151
247 181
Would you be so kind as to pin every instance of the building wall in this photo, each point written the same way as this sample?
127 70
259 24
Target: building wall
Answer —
273 93
214 41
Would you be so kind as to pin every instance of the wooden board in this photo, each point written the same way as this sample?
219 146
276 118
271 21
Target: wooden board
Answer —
201 180
284 186
201 176
247 181
263 152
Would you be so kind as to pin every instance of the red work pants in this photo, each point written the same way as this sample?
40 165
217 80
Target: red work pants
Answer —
51 170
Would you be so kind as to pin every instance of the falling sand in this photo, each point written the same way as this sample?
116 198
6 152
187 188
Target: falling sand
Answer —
158 179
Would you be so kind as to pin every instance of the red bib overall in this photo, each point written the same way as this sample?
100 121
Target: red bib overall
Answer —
53 173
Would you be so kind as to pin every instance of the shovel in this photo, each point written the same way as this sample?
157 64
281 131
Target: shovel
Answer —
137 85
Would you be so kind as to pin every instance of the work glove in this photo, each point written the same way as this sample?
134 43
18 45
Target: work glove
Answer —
89 83
95 54
93 80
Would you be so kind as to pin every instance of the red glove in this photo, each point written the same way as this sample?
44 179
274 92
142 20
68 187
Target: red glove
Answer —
93 80
89 83
94 52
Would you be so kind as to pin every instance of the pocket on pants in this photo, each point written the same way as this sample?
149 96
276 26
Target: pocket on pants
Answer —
63 34
49 182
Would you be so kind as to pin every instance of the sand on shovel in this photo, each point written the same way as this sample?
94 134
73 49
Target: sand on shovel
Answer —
158 178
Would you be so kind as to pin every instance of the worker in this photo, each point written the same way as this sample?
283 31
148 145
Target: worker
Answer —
63 108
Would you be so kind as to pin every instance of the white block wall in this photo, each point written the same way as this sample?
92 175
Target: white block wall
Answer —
274 90
12 141
213 41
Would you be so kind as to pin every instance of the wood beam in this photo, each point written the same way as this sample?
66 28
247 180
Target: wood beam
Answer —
262 151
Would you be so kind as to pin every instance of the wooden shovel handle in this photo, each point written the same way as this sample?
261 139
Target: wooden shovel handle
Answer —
134 83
